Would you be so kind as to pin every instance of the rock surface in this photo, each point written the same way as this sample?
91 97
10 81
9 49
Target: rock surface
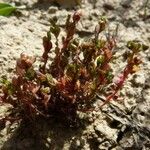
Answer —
118 126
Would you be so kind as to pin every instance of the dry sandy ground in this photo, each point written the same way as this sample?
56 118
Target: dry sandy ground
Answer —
119 126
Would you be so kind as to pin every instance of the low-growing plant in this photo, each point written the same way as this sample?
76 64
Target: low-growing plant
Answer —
70 75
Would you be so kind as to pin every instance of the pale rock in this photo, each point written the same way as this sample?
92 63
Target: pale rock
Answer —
105 130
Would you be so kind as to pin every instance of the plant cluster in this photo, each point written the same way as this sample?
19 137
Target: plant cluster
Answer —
69 81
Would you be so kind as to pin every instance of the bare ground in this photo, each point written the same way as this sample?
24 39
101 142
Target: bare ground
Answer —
121 125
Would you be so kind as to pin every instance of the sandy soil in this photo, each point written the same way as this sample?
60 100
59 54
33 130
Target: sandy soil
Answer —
122 125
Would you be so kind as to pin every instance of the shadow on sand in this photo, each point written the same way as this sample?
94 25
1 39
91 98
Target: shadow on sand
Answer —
43 134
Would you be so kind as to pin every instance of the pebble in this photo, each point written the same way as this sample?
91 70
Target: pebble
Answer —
52 10
105 130
139 79
104 146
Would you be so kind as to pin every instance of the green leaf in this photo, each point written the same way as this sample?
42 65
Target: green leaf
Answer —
55 30
109 76
2 5
6 9
50 79
30 74
49 35
45 90
99 60
4 80
7 84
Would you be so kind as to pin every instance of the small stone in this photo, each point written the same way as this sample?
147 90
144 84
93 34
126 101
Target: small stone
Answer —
105 145
100 140
49 140
126 4
78 143
108 6
139 79
106 131
52 10
68 3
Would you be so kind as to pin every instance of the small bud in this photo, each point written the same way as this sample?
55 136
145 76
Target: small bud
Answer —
97 29
102 24
137 61
72 47
77 15
25 61
119 79
53 21
100 27
47 44
30 61
23 56
99 60
76 41
49 35
55 30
